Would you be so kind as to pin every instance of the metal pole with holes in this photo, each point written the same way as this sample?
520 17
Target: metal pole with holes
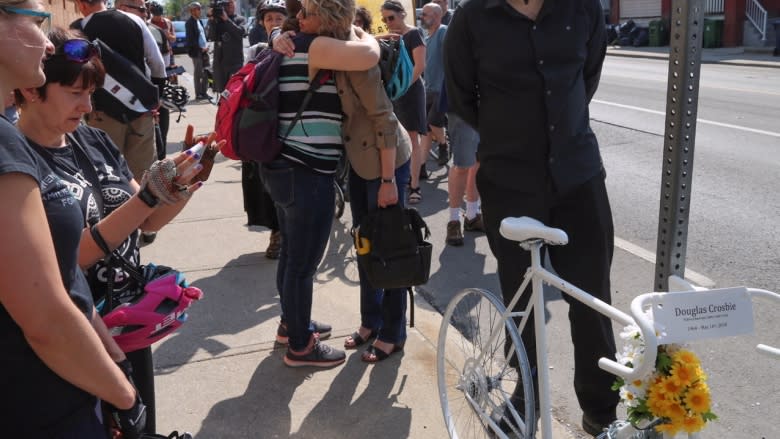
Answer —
685 45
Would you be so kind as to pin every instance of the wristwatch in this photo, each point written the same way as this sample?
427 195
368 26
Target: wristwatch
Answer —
390 180
148 197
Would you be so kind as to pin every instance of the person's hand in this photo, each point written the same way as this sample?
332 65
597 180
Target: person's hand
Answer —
131 422
388 195
171 180
388 36
283 43
208 154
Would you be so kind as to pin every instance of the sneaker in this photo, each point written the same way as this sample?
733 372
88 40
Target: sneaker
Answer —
454 235
321 331
474 224
319 355
147 238
414 195
444 155
274 245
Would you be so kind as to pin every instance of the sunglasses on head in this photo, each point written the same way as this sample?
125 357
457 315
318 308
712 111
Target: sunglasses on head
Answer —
78 50
388 19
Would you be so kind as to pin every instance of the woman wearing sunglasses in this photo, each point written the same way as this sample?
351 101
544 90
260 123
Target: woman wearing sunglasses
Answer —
113 205
53 362
410 108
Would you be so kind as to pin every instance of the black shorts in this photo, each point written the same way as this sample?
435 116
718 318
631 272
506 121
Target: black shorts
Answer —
410 109
433 110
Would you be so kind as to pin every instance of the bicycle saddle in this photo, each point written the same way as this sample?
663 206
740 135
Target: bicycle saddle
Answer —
528 229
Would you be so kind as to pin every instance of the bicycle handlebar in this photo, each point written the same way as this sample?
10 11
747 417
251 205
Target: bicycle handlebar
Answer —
647 330
647 361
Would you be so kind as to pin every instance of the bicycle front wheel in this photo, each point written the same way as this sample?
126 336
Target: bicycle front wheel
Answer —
481 364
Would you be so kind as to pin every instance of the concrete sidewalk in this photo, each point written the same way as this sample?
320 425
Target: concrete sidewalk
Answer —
221 376
736 56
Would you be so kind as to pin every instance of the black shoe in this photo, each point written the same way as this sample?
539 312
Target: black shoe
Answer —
423 172
147 238
596 425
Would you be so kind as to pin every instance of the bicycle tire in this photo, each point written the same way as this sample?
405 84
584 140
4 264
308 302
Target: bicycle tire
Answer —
476 380
339 211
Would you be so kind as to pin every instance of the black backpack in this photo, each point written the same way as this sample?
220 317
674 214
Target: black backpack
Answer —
391 248
127 93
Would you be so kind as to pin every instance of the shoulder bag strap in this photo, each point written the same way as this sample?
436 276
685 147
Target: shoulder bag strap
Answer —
319 79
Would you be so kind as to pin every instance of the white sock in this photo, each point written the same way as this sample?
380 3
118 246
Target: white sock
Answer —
455 214
472 209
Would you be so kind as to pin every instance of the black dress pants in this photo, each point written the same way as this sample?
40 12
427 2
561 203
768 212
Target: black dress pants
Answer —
585 215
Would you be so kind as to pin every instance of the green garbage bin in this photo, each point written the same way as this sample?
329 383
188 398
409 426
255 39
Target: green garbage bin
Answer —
658 33
713 32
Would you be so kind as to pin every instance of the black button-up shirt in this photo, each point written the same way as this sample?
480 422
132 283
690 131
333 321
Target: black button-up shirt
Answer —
526 85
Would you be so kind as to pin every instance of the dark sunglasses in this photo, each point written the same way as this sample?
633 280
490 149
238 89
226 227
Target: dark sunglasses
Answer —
78 50
389 18
137 8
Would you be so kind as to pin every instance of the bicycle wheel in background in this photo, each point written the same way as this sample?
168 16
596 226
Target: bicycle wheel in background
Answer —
480 362
339 200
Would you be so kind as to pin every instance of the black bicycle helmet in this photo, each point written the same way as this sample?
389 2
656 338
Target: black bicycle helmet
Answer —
155 8
271 6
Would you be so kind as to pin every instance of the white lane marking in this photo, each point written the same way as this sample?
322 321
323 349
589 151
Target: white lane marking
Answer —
704 121
694 277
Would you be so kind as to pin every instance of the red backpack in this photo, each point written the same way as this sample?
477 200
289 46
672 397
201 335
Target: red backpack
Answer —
248 112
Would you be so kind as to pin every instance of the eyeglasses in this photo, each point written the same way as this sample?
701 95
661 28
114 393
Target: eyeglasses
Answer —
78 50
45 23
388 19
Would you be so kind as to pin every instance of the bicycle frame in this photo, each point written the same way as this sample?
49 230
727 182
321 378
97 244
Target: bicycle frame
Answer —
537 275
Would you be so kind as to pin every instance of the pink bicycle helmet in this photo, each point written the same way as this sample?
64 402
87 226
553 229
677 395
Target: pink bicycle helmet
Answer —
153 314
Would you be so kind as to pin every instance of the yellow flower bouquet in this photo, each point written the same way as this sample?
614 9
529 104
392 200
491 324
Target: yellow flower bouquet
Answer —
674 397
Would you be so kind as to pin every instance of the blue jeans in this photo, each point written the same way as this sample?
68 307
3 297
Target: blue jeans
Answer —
382 310
305 206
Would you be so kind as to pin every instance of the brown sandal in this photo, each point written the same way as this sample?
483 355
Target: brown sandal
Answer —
274 245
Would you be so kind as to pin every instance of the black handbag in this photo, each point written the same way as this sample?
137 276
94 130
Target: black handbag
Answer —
391 248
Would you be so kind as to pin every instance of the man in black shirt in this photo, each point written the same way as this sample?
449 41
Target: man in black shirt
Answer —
227 32
523 72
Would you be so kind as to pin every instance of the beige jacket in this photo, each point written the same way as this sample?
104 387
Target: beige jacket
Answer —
369 123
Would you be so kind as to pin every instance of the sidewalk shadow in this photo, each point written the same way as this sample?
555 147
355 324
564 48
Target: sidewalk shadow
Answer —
340 260
376 411
264 410
240 296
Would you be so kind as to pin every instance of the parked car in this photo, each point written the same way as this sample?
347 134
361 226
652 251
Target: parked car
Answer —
180 45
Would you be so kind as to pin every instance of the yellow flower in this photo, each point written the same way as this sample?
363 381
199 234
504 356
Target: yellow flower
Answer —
692 424
686 357
676 412
667 389
698 398
683 375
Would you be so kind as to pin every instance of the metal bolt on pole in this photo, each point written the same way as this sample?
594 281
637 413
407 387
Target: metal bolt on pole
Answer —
686 32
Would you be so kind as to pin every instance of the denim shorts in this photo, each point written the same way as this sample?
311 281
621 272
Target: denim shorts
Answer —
464 141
